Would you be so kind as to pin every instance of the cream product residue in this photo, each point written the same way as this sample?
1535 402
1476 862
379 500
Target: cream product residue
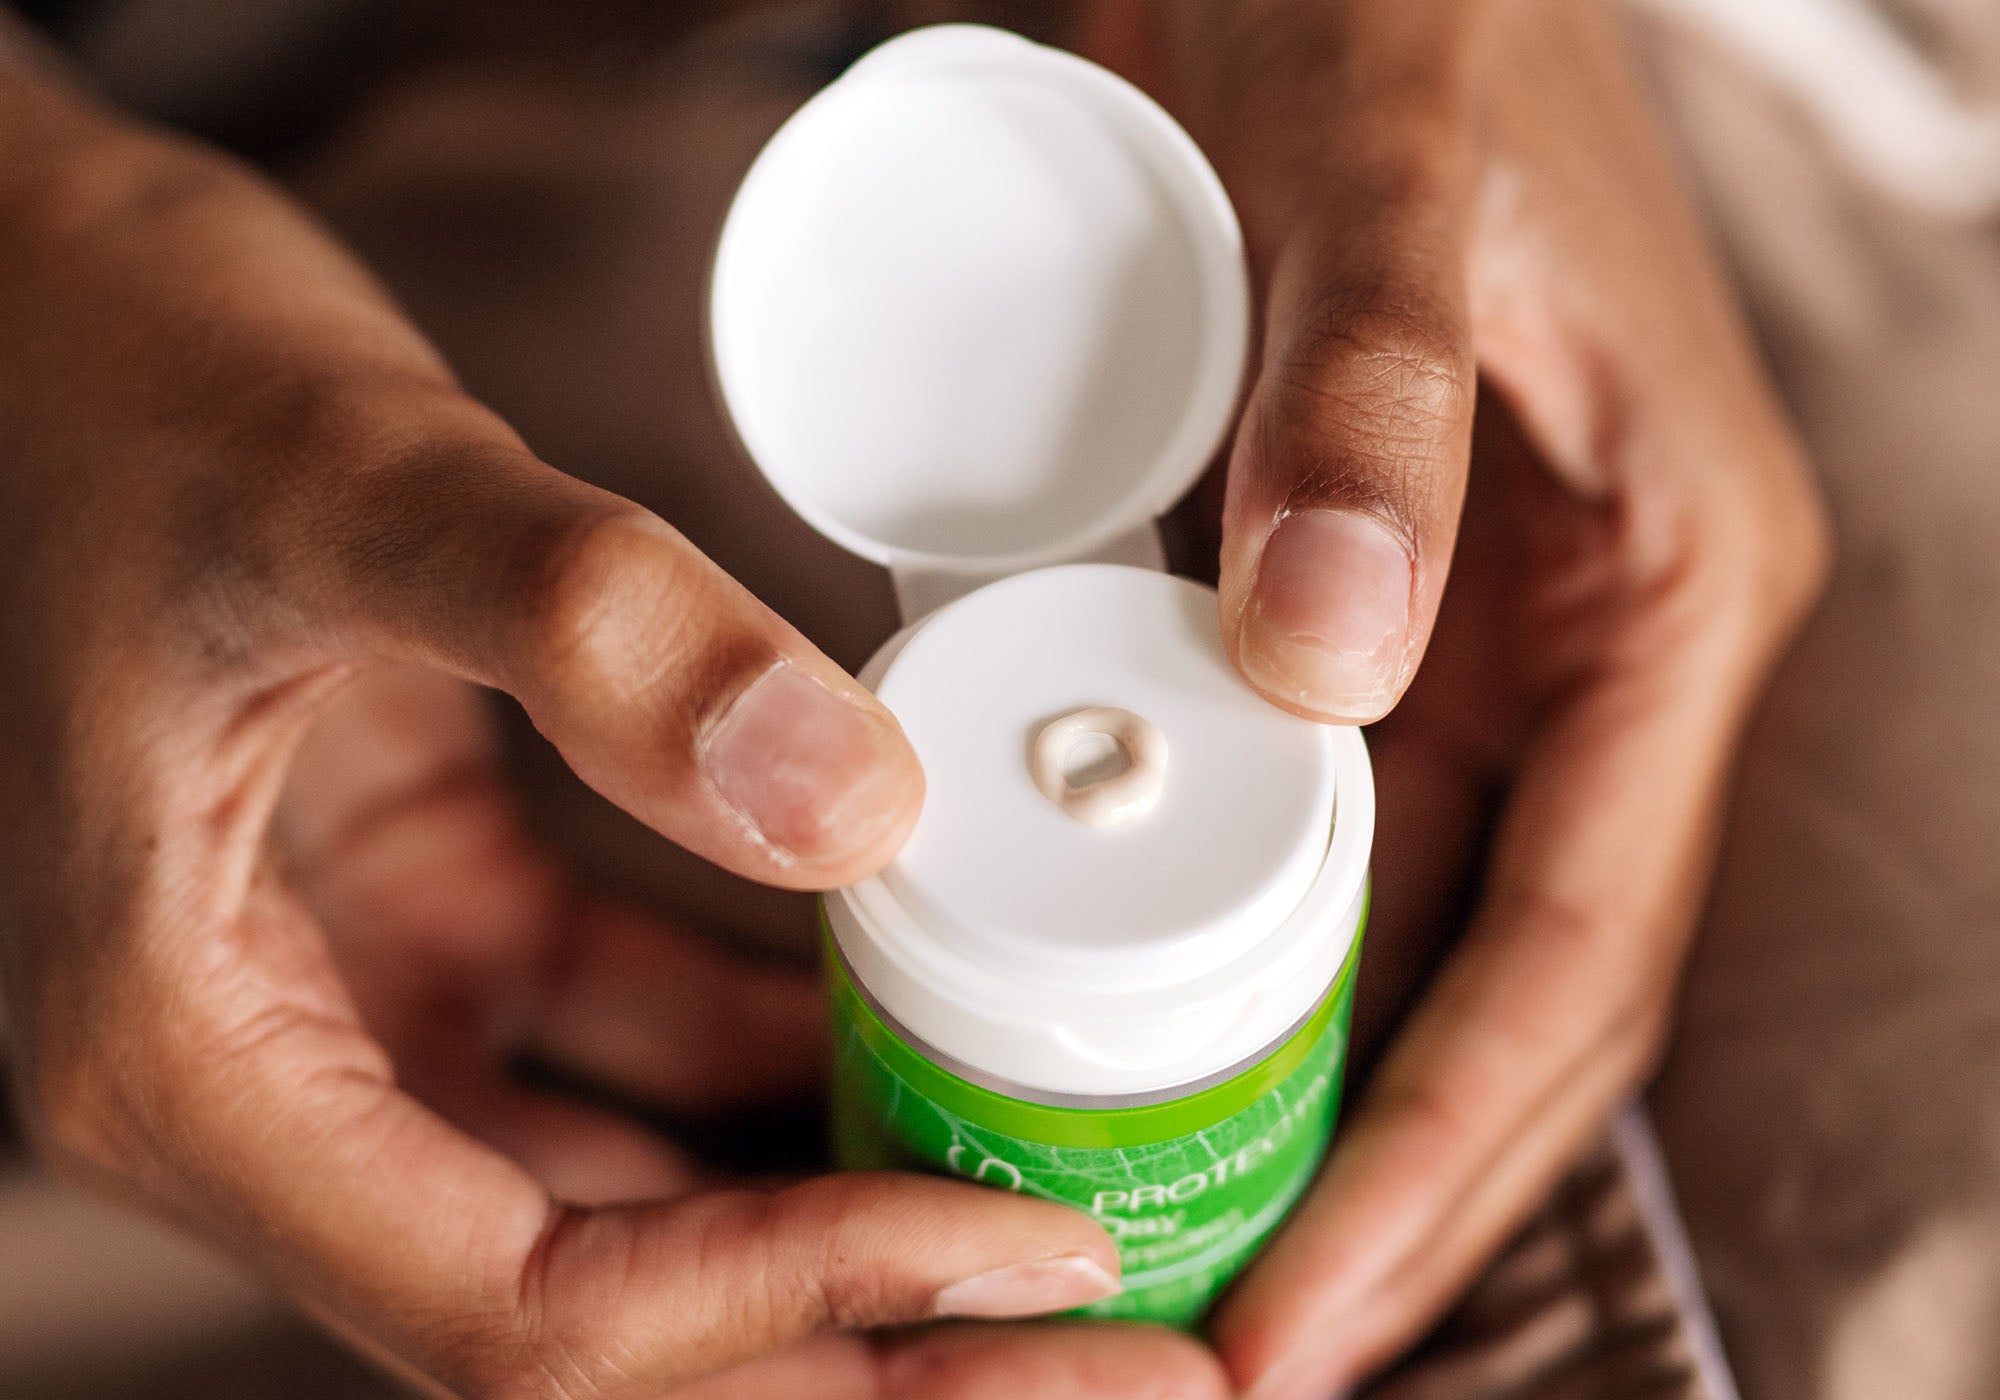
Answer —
1127 794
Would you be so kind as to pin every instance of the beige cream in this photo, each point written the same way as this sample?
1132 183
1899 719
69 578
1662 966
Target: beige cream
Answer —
1118 798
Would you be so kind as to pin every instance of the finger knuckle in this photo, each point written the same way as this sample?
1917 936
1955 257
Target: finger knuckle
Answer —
1636 961
767 1252
780 1262
593 596
1573 928
1390 349
1761 550
544 1343
619 617
1376 389
818 1216
1434 1116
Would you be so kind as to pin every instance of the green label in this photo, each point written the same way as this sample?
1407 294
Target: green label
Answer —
1190 1188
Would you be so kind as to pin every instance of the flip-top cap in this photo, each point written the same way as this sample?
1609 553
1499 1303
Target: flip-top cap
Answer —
979 306
1046 955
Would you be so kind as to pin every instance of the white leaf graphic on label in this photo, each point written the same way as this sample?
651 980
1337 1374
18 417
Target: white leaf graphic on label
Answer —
1009 1175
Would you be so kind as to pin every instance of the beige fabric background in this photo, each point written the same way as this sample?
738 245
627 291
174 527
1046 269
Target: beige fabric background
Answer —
1832 1104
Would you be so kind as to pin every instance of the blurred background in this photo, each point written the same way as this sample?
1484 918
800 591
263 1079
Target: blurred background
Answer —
539 183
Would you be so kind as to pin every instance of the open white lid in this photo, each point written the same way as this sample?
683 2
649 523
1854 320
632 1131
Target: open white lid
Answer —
978 307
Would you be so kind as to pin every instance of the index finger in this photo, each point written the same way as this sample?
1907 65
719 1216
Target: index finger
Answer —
1348 474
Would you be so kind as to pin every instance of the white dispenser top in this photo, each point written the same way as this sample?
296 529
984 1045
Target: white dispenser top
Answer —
1047 957
979 306
1014 882
1056 959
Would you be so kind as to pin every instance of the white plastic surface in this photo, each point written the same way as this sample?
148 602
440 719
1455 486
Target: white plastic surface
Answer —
998 870
1051 956
979 306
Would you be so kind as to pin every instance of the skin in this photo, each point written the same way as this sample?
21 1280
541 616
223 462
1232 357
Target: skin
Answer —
1463 211
270 922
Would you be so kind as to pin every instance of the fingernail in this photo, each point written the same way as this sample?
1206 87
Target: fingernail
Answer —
1329 620
819 777
1027 1290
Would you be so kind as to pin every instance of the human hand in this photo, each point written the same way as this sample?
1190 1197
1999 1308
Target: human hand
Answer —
1437 196
250 530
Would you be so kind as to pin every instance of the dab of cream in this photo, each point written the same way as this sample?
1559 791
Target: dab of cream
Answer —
1116 799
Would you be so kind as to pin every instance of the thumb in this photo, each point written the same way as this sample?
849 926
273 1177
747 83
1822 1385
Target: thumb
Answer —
1349 469
681 1290
665 684
1348 476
